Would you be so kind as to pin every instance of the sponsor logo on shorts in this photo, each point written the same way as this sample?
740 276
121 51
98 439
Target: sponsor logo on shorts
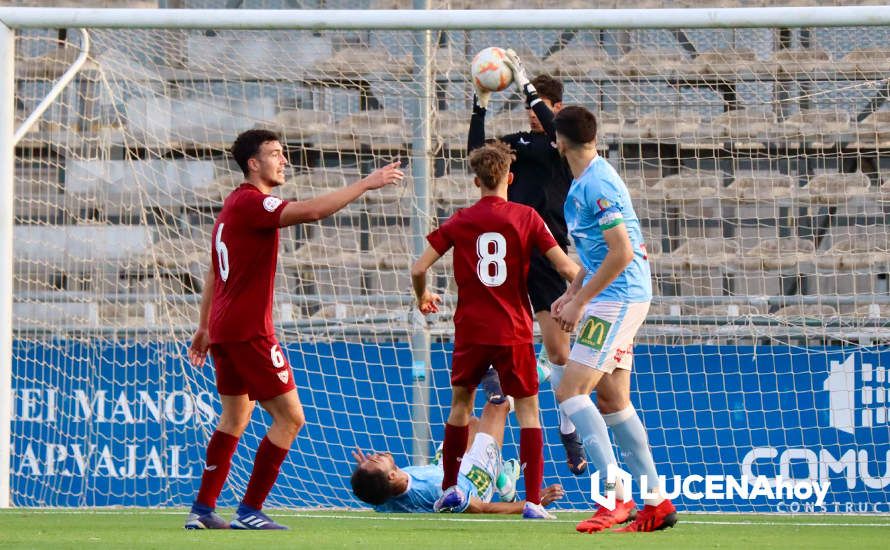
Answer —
271 203
620 353
283 376
480 479
593 332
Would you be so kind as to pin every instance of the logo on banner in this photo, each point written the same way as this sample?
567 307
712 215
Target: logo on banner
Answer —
842 388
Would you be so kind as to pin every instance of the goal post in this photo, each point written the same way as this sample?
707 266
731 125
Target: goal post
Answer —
754 142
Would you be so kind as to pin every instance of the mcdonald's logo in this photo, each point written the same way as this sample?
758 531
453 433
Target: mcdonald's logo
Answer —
593 332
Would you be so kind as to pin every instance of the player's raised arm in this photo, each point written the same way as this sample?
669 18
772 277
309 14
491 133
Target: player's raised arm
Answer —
532 100
476 135
427 302
323 206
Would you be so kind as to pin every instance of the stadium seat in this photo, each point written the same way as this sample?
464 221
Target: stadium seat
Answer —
867 63
454 191
775 254
874 130
642 62
836 188
663 126
81 246
730 310
821 127
360 63
744 125
579 62
689 186
802 62
208 121
760 186
731 64
450 130
699 253
872 311
302 125
375 129
105 184
856 252
807 311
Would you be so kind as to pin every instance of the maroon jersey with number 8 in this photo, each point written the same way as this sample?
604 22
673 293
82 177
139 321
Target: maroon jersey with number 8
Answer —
493 242
245 252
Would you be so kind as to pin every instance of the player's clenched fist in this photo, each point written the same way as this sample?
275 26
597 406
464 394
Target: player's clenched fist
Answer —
386 175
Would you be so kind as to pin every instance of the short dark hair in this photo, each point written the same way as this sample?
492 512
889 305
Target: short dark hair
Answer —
491 163
371 486
248 143
548 87
576 124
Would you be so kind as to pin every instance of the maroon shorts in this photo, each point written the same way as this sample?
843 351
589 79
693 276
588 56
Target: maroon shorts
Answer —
257 367
516 365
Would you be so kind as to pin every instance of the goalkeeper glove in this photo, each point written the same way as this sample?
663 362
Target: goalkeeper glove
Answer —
480 98
520 77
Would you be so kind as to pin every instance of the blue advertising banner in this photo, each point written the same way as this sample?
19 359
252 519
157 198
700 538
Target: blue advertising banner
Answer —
126 422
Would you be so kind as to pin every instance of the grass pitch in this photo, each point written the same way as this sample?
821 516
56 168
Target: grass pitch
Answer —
135 528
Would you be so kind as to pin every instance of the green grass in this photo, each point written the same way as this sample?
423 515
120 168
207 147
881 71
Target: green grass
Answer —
365 530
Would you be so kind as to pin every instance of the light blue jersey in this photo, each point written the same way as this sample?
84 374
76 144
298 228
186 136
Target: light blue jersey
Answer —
424 488
598 200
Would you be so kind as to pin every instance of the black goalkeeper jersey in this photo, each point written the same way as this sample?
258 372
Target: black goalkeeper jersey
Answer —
541 178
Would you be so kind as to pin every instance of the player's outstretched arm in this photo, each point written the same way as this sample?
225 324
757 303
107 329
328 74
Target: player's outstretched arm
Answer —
201 339
476 135
427 302
548 496
321 207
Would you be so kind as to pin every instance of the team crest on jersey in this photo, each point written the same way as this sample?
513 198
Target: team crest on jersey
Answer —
271 203
603 204
283 376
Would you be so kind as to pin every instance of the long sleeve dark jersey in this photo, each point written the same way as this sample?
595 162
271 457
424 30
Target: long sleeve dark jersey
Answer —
541 178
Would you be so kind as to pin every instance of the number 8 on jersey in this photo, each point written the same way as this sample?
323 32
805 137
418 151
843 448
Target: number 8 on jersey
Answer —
491 268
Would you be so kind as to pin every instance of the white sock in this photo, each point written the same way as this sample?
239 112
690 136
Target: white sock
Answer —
556 372
630 435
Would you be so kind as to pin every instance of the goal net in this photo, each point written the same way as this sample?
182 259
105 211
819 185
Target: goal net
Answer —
755 158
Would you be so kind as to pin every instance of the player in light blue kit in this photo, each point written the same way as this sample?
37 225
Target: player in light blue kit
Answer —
607 303
415 489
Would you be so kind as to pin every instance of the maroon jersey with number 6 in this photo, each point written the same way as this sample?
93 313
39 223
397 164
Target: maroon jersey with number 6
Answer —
245 252
493 242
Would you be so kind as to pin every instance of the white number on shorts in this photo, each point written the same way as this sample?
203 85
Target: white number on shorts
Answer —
277 356
488 258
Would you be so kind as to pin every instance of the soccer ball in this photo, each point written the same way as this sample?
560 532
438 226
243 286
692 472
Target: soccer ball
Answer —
489 71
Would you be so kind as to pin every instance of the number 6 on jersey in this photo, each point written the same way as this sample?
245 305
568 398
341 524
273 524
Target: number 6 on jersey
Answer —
492 249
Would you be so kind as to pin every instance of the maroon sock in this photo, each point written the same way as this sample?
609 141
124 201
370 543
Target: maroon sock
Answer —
531 455
453 449
220 449
265 471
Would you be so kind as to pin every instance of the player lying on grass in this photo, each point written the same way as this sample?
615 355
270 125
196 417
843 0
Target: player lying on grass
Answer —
493 242
379 482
